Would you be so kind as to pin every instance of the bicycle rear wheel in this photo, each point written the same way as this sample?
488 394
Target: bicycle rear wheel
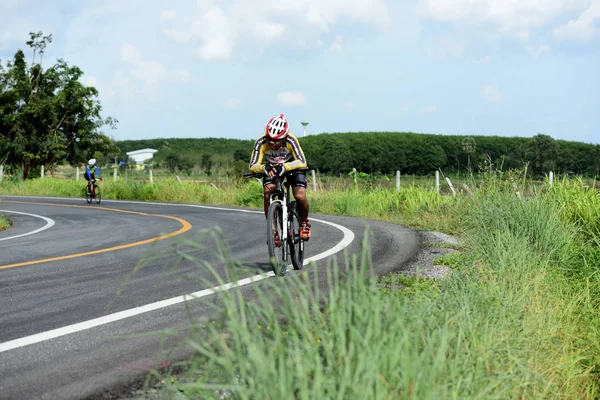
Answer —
277 253
97 195
296 244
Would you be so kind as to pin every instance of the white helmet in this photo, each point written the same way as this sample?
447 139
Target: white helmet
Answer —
92 162
277 127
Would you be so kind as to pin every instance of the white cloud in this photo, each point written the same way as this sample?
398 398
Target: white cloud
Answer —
130 54
149 73
585 27
446 47
267 31
217 48
322 14
233 103
483 60
337 45
168 15
216 32
180 75
516 18
491 93
291 98
121 85
120 88
88 80
544 48
429 109
350 106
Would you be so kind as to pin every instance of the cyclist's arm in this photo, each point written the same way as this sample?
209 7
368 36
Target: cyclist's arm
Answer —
257 155
97 172
299 160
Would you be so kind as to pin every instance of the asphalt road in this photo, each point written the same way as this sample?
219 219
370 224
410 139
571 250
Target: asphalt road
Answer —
82 285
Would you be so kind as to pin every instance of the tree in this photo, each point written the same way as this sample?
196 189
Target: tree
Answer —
172 161
48 116
468 146
542 154
207 163
241 155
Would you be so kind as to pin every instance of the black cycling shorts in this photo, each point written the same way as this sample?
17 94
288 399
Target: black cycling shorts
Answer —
293 178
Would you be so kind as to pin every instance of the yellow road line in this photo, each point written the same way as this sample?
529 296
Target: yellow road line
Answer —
186 227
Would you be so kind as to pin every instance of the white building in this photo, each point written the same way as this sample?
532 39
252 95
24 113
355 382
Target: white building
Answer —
141 155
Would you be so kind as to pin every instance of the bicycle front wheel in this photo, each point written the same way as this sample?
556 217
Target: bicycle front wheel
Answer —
276 242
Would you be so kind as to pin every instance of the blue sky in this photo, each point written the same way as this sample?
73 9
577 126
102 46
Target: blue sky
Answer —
211 68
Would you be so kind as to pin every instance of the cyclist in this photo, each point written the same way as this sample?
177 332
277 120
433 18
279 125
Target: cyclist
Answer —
282 153
91 172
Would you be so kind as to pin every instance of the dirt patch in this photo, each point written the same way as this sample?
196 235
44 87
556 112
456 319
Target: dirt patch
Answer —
434 245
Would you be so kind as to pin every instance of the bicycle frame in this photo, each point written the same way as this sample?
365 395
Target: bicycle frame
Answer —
281 195
93 185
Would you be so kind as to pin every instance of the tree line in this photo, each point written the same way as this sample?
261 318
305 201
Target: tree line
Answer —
387 152
413 153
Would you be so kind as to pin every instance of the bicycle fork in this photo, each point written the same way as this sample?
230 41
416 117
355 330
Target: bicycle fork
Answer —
284 218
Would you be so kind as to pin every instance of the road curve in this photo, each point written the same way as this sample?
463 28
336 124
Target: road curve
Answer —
69 297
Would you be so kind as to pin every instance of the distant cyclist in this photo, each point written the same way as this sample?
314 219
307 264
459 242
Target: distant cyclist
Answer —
282 152
91 174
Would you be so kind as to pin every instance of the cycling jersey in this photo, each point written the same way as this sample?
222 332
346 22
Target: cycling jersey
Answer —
289 154
89 175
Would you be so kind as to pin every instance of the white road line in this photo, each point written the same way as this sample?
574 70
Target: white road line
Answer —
49 224
81 326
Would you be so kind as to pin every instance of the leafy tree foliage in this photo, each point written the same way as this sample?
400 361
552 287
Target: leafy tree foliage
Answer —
47 115
542 153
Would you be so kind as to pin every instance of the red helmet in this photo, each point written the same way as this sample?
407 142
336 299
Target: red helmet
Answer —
277 127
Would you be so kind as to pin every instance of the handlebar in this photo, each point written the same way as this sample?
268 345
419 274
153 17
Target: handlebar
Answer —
262 174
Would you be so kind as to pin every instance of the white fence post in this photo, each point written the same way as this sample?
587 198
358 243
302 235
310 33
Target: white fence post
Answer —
354 170
314 179
437 181
514 185
397 180
1 172
150 175
42 174
115 174
77 173
468 189
451 187
551 177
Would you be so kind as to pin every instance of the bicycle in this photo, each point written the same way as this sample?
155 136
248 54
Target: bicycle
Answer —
283 221
94 194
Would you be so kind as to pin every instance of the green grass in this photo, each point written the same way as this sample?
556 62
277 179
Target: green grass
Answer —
505 327
517 318
4 223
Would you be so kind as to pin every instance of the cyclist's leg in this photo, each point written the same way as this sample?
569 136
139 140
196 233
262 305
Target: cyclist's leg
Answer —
268 187
298 182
